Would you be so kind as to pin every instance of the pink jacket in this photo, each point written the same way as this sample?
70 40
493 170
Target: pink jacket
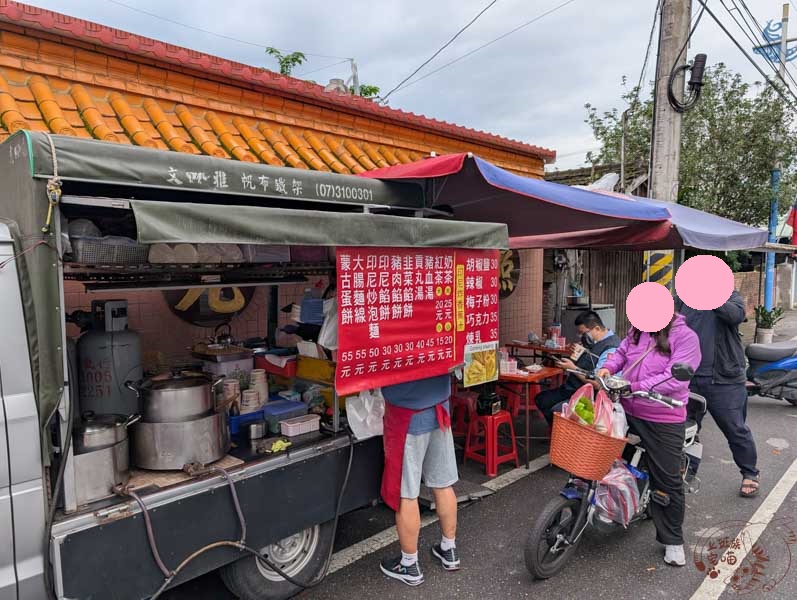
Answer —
655 368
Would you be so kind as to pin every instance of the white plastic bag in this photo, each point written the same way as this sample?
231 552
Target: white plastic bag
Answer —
617 495
365 412
619 421
328 336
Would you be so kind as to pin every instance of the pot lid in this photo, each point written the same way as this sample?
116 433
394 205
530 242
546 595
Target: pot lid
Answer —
179 382
94 423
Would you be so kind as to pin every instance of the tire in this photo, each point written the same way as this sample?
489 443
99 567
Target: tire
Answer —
303 556
543 536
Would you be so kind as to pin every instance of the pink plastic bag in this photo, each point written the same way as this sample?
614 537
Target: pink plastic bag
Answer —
603 413
617 495
569 409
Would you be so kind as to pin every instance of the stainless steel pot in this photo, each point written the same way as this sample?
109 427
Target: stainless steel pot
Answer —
167 446
98 471
97 432
176 399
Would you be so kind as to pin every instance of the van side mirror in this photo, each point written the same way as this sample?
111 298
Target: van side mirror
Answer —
682 372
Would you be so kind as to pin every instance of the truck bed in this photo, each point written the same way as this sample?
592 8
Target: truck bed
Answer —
102 551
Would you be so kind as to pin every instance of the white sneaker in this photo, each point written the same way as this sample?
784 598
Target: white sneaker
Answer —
674 556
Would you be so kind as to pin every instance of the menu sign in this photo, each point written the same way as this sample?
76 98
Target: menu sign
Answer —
406 314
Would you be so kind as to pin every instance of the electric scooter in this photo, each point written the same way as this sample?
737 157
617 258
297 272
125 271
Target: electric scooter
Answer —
772 371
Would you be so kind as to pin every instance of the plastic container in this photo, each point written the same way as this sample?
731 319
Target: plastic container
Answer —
289 370
250 402
258 253
238 423
108 250
300 425
315 369
258 382
227 368
280 410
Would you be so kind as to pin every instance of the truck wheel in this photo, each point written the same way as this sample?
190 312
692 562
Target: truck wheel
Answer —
301 556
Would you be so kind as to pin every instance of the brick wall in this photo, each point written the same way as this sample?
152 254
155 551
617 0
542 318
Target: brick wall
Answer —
521 312
748 285
162 331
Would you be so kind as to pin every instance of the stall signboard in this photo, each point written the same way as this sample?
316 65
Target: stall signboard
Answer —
410 313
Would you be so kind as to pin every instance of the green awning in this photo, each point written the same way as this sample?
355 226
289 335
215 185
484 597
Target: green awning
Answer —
169 222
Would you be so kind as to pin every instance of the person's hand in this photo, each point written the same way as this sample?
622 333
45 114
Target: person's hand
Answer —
566 363
603 373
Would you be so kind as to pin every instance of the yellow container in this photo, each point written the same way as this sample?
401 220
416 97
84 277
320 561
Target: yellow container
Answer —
316 369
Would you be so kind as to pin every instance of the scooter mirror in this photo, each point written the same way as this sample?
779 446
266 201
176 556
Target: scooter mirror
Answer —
682 372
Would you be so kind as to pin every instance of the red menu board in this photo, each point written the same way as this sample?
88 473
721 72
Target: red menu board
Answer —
405 314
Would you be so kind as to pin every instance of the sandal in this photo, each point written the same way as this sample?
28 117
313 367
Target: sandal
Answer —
751 487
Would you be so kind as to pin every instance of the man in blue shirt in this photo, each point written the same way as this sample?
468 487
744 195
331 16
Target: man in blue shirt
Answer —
600 342
419 446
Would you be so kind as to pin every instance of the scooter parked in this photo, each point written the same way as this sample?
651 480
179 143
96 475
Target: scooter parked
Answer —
772 371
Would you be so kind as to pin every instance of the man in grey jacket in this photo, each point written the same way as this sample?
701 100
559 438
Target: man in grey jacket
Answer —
721 380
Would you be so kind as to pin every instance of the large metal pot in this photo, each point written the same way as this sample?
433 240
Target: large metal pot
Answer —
168 446
97 432
176 398
98 471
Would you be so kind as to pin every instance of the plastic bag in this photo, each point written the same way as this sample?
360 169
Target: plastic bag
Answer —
328 336
619 421
580 408
617 495
364 413
603 412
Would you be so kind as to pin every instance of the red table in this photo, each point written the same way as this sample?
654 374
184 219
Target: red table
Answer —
535 349
526 380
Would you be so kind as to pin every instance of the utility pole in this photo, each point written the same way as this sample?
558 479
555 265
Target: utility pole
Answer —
769 283
665 147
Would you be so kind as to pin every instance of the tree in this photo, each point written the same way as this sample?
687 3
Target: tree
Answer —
728 145
287 62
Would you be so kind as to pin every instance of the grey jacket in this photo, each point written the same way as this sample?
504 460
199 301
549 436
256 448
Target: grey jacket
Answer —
729 361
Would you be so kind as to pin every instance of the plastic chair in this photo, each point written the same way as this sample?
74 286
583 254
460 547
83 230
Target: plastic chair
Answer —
482 445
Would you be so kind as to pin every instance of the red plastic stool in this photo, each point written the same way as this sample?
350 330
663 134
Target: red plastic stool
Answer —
482 445
463 411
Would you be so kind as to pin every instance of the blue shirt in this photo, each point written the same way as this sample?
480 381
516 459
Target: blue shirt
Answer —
422 395
605 354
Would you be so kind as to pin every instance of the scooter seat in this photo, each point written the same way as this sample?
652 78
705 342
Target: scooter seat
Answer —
771 352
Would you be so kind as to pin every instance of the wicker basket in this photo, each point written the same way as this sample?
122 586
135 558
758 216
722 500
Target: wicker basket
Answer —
108 250
581 450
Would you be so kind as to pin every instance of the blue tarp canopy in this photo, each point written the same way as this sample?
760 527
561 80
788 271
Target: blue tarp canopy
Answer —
543 214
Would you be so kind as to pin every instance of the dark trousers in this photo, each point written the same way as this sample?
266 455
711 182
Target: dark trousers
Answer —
664 444
727 403
550 401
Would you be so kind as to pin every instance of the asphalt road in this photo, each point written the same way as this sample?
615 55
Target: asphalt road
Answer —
626 564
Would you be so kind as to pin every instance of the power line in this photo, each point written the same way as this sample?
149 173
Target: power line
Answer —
647 57
207 31
755 42
475 50
443 47
748 57
335 64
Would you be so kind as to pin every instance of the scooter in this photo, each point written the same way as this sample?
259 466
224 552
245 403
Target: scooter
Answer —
559 528
772 371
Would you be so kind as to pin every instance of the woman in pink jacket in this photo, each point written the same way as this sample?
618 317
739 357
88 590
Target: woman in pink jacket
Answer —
645 360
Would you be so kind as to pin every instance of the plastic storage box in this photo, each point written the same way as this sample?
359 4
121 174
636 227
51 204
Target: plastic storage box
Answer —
300 425
281 410
108 250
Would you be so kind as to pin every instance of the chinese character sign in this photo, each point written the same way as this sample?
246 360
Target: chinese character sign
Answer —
406 314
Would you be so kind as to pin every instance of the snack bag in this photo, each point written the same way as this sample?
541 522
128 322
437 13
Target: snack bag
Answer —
581 407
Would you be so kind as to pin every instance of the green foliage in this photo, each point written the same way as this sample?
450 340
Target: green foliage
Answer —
729 143
737 260
368 91
286 62
767 319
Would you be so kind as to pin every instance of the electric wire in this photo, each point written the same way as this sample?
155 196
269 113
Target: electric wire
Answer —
679 105
750 59
306 73
213 33
443 47
493 41
647 57
754 41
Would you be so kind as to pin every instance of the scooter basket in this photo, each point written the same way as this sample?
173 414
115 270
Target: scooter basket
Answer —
582 451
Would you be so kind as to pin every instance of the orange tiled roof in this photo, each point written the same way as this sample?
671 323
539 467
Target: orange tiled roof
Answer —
74 77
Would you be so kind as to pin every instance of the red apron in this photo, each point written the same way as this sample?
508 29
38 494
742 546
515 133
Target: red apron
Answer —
396 425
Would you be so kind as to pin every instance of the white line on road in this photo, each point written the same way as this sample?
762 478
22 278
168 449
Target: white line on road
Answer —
712 589
355 552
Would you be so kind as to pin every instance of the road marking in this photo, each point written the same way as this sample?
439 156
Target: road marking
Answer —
355 552
712 589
